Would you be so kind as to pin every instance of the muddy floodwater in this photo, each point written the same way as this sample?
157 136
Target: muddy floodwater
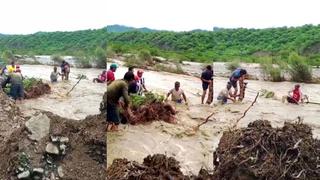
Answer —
194 150
82 101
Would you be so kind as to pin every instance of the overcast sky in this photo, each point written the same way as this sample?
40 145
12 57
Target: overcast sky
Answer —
30 16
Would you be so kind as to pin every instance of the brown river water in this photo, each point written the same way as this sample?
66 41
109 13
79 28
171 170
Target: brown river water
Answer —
193 150
82 101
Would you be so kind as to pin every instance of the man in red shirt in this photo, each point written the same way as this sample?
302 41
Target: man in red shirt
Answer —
110 73
295 95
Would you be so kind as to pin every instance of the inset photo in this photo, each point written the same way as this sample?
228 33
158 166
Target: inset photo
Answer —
213 90
53 78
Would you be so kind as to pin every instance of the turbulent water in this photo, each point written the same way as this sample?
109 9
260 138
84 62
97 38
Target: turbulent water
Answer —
82 101
195 150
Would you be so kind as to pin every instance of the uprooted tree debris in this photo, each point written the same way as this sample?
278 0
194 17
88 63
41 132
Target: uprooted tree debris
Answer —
49 146
149 108
256 152
262 152
154 167
35 88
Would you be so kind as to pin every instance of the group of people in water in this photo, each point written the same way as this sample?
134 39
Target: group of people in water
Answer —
135 84
11 75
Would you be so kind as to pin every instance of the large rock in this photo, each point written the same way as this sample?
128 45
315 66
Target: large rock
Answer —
24 175
52 149
38 126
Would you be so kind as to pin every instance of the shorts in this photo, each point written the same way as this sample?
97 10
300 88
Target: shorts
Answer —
16 91
113 114
291 100
179 101
205 86
223 99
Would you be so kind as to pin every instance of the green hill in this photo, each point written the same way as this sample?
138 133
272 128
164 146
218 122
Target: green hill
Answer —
121 29
218 45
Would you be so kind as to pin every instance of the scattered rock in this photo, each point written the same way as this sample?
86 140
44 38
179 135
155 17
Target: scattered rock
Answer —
54 138
38 126
24 175
38 170
64 139
60 171
52 149
52 176
63 148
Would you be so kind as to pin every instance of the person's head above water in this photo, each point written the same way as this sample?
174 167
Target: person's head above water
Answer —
297 86
12 63
243 72
130 68
177 85
209 67
140 72
55 69
113 67
129 76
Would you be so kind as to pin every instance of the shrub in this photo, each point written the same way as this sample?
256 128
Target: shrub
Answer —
110 52
273 72
100 58
231 66
146 56
299 70
84 62
57 59
177 69
134 62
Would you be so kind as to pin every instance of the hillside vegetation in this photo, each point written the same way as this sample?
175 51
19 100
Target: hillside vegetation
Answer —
219 45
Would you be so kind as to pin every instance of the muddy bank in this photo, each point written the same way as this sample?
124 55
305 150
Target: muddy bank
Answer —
255 152
10 117
47 145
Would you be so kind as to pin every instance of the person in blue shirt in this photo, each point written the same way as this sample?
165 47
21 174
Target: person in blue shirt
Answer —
237 75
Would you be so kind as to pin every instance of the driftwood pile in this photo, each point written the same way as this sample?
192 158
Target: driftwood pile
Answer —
256 152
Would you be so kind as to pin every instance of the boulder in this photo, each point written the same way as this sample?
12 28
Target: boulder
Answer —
38 126
52 149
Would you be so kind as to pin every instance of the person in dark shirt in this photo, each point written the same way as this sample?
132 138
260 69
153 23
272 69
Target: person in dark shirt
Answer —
116 90
132 86
237 75
207 79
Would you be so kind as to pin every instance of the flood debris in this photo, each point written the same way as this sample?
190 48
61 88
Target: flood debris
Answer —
262 152
35 88
256 152
157 166
149 108
266 94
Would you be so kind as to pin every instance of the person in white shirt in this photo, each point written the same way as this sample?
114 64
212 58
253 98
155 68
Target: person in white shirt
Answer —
226 94
141 83
177 94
